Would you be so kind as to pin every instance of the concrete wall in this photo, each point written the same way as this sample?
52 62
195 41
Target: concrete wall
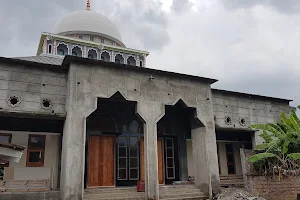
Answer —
32 85
51 160
254 110
189 152
87 82
222 159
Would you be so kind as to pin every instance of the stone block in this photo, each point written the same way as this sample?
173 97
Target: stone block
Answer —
34 88
3 94
53 80
219 101
49 89
58 99
244 111
26 77
3 84
4 75
59 108
31 97
228 109
31 106
18 86
261 113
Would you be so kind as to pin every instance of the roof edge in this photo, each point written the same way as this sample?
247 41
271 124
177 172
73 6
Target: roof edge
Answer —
250 95
68 59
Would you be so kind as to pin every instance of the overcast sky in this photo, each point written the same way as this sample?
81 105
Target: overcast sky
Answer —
250 46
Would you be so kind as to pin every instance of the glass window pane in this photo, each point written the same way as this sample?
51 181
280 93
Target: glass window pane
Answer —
230 158
4 138
122 141
134 126
133 152
37 142
133 162
35 156
122 163
133 173
170 162
122 174
122 151
133 141
170 172
169 152
169 142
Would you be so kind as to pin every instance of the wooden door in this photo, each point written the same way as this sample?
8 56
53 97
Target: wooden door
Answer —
160 160
101 161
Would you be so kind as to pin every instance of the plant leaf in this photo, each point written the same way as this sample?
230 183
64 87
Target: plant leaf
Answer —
294 156
262 146
260 156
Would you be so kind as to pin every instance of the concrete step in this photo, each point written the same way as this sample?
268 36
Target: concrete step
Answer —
173 192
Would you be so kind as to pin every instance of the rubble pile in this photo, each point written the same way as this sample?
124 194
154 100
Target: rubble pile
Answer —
236 194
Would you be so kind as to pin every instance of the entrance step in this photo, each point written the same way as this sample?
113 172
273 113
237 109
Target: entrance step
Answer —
174 192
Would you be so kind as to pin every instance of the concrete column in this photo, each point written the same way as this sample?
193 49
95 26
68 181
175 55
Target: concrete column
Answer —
201 166
80 104
151 113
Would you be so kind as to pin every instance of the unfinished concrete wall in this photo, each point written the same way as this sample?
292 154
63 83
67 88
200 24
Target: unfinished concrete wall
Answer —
252 109
51 159
87 82
31 85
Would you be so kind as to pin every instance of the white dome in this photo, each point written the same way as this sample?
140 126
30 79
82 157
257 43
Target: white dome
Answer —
88 22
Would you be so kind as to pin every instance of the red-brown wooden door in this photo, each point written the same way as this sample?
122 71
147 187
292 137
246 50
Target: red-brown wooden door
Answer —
160 160
101 161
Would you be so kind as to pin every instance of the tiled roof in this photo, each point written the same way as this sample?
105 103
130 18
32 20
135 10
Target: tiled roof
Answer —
43 59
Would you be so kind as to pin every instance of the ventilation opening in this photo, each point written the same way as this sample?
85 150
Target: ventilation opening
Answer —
228 120
46 104
13 101
243 121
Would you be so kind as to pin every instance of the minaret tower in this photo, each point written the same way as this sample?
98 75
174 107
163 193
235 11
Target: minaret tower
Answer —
88 5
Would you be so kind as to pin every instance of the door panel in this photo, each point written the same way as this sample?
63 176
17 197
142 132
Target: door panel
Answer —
101 161
160 160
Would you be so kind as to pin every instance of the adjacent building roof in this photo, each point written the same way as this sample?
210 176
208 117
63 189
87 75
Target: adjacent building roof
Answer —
247 95
51 60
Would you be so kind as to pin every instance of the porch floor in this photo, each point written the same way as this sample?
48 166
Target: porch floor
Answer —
169 192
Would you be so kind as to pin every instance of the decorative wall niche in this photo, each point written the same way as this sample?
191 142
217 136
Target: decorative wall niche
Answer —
14 101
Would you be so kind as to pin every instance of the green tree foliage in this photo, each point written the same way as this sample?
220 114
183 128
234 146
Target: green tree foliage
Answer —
281 143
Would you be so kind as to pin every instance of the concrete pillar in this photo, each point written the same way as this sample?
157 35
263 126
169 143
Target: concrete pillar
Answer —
80 104
151 112
200 161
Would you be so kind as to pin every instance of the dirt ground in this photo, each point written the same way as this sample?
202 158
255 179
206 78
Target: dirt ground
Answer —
236 194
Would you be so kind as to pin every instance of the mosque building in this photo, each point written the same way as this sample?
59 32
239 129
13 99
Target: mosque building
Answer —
93 117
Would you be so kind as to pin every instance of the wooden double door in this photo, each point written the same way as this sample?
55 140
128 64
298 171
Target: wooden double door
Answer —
120 161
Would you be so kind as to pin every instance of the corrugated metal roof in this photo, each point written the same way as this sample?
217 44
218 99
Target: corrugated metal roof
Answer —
43 59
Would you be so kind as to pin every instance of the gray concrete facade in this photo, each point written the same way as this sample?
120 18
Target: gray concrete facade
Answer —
86 83
75 86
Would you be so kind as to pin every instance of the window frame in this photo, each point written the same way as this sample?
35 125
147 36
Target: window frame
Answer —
7 134
9 141
29 150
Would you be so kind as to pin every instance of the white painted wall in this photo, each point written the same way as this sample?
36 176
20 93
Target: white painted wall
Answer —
19 171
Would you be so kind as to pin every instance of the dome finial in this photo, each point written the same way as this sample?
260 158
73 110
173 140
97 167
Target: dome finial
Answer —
88 5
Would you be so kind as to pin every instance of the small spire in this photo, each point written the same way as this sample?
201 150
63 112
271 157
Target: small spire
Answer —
88 5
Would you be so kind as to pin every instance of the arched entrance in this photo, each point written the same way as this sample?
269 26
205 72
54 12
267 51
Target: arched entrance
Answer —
114 132
174 130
